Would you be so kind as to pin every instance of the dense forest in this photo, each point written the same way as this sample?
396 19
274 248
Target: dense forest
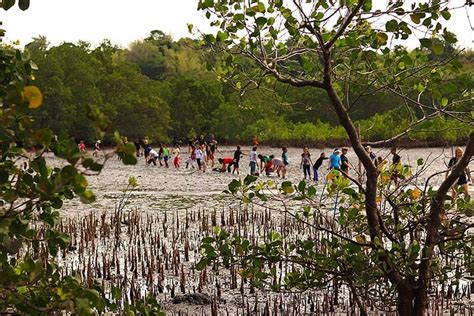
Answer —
169 90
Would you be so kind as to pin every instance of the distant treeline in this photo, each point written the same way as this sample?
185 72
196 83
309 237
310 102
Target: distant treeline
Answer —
166 90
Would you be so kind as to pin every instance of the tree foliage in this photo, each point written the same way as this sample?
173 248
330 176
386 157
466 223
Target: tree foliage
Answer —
164 89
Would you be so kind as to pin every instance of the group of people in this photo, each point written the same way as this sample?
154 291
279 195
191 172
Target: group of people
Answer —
201 155
97 147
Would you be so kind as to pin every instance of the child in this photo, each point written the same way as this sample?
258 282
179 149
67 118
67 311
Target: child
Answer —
166 155
199 156
190 161
306 162
177 156
82 146
96 148
204 158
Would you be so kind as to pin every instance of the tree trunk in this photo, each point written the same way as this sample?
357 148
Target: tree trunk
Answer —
405 299
433 226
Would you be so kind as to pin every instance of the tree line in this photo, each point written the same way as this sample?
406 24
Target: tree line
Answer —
168 90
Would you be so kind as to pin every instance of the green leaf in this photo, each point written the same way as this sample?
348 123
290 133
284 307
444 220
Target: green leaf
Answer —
234 185
7 4
448 88
202 264
129 159
222 36
415 17
24 4
287 187
190 28
367 6
446 14
301 186
249 179
204 4
132 181
261 21
116 293
449 37
87 197
382 38
438 48
3 176
426 42
350 191
391 26
444 102
239 17
427 22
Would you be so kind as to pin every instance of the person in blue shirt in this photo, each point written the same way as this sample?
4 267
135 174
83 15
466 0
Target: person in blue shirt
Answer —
335 160
284 158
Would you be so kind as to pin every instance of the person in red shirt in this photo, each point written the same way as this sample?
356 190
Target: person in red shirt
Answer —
82 146
227 163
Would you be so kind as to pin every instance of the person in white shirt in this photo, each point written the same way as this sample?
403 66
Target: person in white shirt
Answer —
152 157
204 158
199 156
253 161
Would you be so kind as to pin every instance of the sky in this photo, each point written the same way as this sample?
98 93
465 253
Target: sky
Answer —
123 22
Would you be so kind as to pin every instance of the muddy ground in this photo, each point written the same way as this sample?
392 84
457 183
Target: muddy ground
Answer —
155 237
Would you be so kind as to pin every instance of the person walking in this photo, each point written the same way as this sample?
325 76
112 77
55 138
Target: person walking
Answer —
97 148
237 155
306 163
82 147
166 155
204 158
253 161
199 156
176 156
